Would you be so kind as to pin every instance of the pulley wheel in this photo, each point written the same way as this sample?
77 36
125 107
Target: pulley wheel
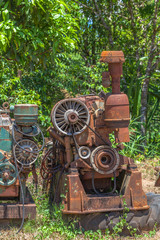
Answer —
7 174
84 152
26 152
70 116
105 159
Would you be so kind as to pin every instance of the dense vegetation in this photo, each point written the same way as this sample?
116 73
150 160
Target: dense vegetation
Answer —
50 49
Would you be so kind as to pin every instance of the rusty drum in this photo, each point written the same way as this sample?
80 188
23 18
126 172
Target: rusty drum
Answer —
117 111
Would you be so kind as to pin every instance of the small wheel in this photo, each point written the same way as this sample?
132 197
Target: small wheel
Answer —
26 152
7 174
84 152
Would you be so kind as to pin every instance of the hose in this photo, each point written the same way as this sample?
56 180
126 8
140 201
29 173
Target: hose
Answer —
47 170
28 135
23 209
18 171
104 194
94 132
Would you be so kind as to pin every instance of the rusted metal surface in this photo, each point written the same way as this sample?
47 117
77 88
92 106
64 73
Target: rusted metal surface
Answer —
55 135
157 169
14 211
106 79
10 191
115 60
157 183
98 178
78 202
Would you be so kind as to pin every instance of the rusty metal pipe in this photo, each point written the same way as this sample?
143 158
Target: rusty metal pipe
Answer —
115 70
115 60
68 150
55 135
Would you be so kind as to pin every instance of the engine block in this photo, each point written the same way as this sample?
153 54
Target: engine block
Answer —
97 177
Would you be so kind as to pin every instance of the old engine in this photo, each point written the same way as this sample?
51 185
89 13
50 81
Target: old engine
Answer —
82 163
18 153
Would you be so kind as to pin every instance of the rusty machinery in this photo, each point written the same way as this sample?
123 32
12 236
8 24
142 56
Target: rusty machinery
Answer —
18 153
83 161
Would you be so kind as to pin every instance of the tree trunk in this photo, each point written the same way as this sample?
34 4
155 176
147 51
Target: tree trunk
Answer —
152 53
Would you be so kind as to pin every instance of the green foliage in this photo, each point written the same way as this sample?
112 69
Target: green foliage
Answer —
136 148
94 235
122 224
47 225
32 32
56 46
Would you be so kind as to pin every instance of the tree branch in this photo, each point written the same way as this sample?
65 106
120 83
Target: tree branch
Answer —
107 27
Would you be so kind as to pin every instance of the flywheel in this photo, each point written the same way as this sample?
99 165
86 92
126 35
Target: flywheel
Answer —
26 152
70 116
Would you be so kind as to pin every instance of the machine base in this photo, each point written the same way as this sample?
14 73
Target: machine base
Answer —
15 211
78 202
139 220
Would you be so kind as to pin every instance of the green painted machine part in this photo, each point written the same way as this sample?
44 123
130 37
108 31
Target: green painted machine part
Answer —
18 153
8 174
5 136
25 114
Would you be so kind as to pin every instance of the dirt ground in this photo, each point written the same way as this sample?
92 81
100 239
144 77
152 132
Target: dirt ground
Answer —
148 180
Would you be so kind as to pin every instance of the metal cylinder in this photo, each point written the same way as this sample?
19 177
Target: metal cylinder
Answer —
115 70
25 114
117 111
115 60
55 135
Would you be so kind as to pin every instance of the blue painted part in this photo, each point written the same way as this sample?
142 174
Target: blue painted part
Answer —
10 168
4 134
5 145
1 156
5 142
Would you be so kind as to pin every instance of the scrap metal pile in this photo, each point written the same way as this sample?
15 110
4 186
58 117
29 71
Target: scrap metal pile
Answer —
82 163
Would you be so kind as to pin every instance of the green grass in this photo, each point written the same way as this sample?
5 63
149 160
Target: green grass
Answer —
50 224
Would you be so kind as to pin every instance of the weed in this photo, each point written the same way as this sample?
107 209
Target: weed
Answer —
151 233
123 224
